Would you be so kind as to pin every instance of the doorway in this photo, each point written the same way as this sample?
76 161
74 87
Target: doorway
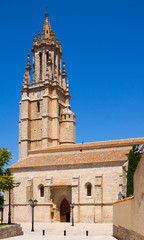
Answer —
65 211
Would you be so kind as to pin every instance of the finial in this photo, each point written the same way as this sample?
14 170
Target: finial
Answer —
28 69
46 14
39 36
67 85
28 66
64 76
35 38
57 40
64 71
28 59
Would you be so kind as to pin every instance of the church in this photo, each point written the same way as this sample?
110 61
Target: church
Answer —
52 168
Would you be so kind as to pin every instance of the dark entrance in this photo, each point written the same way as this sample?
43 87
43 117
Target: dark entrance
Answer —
64 211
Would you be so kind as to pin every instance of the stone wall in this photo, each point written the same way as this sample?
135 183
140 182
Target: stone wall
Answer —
10 231
128 214
69 183
125 234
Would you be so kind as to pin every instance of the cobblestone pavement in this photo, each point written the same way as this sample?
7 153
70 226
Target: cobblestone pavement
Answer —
55 231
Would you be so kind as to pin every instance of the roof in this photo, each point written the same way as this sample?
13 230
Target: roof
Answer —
87 146
124 199
79 158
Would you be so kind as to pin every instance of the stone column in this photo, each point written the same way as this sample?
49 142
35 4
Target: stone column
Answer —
59 69
43 64
121 182
98 198
24 125
29 190
37 67
48 182
45 120
55 118
75 197
34 67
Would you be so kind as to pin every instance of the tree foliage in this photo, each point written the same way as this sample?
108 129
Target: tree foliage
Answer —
5 157
6 178
133 161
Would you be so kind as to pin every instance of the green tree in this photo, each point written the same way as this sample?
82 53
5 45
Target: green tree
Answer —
6 178
133 161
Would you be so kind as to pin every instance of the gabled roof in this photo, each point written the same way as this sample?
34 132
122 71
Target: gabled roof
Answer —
65 159
86 154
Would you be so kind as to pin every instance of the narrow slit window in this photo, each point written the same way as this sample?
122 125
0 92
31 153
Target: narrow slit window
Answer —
38 106
47 57
40 56
42 191
59 111
88 190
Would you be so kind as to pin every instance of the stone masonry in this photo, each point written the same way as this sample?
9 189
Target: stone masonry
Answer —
46 118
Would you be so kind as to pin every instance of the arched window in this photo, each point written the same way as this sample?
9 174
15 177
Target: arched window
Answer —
89 188
38 106
40 57
47 57
41 191
59 111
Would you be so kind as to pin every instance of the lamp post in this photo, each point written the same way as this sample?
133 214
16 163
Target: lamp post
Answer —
32 203
72 206
9 212
2 208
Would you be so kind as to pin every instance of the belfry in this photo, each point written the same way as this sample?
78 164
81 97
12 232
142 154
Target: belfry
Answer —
46 118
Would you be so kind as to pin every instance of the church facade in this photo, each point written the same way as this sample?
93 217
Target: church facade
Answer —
52 168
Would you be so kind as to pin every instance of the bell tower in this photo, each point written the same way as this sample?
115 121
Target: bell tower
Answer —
45 117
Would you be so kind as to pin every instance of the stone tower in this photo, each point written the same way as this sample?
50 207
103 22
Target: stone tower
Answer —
45 118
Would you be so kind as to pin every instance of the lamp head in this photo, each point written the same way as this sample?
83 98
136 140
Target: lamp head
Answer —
17 184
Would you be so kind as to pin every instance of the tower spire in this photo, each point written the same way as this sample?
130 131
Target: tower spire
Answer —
47 30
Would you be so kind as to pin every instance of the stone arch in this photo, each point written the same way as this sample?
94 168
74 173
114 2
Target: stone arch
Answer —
88 187
64 211
41 190
63 196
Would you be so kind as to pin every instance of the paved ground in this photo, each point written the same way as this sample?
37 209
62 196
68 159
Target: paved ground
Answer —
55 231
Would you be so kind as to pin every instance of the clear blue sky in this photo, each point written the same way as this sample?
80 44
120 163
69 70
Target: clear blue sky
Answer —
103 46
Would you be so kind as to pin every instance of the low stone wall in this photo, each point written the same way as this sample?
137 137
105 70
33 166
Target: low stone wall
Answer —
124 234
10 231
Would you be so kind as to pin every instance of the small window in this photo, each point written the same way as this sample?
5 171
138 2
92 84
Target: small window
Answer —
47 57
59 111
38 106
42 191
89 190
40 56
47 31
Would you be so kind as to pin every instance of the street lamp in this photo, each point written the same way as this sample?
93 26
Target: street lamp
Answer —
32 203
9 213
72 206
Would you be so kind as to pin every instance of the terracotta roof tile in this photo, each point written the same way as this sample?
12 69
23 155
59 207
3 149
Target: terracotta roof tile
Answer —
125 199
92 145
70 158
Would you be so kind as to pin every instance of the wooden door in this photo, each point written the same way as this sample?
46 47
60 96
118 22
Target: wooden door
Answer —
64 211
